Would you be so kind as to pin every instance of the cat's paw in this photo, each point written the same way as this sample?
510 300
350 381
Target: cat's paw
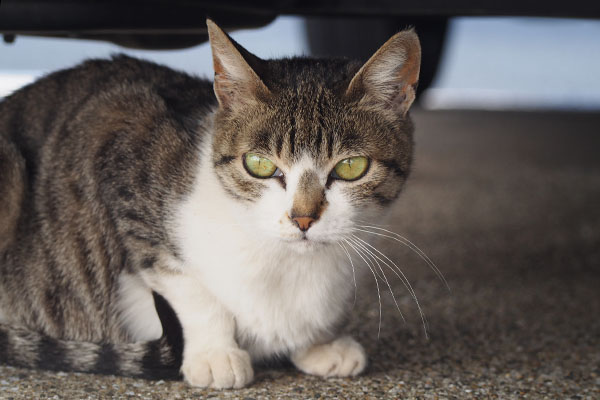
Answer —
342 357
223 368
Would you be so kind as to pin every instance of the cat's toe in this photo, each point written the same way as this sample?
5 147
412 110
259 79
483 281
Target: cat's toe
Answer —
342 357
354 358
219 369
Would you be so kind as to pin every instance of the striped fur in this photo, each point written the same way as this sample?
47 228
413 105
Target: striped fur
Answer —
102 150
157 359
124 200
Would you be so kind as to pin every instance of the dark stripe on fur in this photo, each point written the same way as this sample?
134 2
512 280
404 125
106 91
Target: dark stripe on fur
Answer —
152 356
394 166
52 354
148 262
330 140
262 142
77 192
292 137
279 145
382 200
143 178
85 262
53 294
5 354
150 360
320 124
107 362
224 160
139 236
133 215
125 193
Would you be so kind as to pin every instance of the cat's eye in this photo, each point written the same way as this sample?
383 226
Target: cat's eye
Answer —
260 167
351 169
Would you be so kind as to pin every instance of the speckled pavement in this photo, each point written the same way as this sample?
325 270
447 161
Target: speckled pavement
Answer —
508 206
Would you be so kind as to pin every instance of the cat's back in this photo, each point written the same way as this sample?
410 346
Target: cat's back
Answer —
111 144
31 114
104 120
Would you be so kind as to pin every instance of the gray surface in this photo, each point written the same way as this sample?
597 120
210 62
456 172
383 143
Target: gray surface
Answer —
507 204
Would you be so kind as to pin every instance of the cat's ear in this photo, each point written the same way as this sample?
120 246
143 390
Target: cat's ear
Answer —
236 78
389 78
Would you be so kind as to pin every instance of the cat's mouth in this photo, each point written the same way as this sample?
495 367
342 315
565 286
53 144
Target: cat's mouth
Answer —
304 243
297 239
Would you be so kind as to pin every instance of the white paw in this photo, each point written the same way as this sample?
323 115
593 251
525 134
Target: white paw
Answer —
342 357
222 368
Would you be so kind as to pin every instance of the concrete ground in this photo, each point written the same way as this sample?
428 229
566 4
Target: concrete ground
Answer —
508 206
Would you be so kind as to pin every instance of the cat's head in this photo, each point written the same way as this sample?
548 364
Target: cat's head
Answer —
308 148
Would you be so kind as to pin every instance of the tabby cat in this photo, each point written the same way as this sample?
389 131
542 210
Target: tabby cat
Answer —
127 188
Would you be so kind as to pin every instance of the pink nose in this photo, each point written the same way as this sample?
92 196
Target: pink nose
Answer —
303 223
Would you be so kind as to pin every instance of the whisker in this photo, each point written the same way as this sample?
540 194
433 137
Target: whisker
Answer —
376 282
416 249
374 258
353 270
366 222
402 277
375 271
399 238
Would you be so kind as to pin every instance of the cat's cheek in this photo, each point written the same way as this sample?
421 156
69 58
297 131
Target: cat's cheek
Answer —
336 221
267 216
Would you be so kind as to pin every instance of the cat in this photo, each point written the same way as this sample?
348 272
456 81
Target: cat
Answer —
126 186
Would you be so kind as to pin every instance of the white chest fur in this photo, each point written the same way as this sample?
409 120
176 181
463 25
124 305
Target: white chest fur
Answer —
281 299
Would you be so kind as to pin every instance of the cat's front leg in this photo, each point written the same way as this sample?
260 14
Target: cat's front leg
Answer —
342 357
211 356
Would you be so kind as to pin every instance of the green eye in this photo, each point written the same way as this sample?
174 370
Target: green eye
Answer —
259 167
351 168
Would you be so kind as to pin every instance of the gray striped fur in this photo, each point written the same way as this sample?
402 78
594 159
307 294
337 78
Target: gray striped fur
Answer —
93 158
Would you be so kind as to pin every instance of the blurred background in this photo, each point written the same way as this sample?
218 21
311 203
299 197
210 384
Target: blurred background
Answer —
494 63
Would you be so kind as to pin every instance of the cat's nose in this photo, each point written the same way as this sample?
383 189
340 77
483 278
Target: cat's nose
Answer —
303 223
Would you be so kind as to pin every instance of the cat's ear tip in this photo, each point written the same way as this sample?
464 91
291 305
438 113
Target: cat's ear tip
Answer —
408 38
408 32
212 27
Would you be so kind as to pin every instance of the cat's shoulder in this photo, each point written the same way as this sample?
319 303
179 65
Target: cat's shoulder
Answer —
118 73
124 71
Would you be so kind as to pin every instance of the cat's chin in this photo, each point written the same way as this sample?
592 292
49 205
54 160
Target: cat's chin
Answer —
305 245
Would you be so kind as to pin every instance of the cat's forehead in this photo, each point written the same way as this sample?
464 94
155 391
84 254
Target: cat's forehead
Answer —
307 127
315 123
301 74
306 114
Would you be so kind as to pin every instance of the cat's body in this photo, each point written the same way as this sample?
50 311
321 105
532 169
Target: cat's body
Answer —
78 230
121 178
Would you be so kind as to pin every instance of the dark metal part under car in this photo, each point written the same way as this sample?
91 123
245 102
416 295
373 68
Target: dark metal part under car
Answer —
352 28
